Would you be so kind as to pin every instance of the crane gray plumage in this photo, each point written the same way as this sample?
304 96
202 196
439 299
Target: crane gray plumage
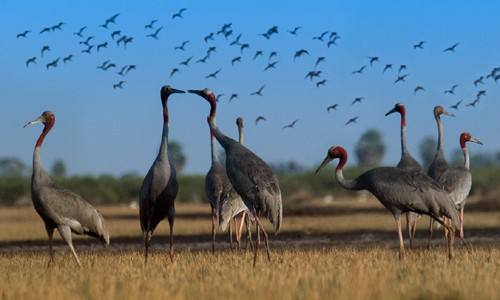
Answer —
233 206
159 187
407 162
58 207
400 191
439 165
219 191
250 176
457 181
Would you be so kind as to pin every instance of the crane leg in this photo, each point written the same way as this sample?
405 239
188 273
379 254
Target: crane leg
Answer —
243 214
147 238
462 229
451 238
213 230
431 224
445 230
400 236
230 235
413 230
237 233
171 217
409 228
257 241
65 233
249 233
50 233
265 237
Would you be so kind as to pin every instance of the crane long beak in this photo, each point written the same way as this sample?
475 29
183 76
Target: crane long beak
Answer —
475 141
197 92
37 120
176 91
448 113
391 111
324 163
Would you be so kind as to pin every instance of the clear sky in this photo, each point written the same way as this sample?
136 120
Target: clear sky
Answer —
100 129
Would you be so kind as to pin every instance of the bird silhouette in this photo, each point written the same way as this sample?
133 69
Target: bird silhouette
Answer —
357 100
320 59
321 36
417 89
53 63
179 14
159 187
236 59
320 83
451 48
399 191
352 120
259 91
401 68
186 62
68 58
80 32
258 119
150 25
387 67
250 176
312 74
23 34
455 106
233 96
209 37
473 103
103 45
358 71
373 59
300 53
45 48
58 207
155 34
290 125
257 54
115 33
420 45
271 65
182 46
30 61
334 107
452 90
119 84
479 81
214 74
174 70
294 31
400 78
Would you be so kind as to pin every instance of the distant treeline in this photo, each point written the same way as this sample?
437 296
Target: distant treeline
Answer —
297 187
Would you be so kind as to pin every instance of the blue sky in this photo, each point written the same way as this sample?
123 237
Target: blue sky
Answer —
100 129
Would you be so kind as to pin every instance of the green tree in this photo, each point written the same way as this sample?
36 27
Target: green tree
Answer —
177 155
58 169
370 149
12 167
427 149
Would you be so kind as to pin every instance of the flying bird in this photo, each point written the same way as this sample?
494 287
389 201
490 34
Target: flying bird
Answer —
294 31
79 33
257 54
357 100
420 45
334 107
373 59
258 119
119 84
359 71
320 83
236 59
259 91
155 35
68 58
181 47
150 25
58 207
31 60
233 96
23 34
352 120
400 78
214 74
387 67
320 59
290 125
174 70
321 36
451 48
186 62
45 48
473 103
179 14
418 88
53 63
455 106
300 53
271 65
452 90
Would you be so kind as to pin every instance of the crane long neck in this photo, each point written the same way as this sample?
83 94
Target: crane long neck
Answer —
347 184
240 133
466 154
164 135
404 147
213 143
37 164
440 150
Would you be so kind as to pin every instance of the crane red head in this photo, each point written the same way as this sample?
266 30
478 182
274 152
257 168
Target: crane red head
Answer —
400 108
333 153
466 137
208 95
48 119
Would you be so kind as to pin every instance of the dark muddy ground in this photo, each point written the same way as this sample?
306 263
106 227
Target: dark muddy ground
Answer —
361 239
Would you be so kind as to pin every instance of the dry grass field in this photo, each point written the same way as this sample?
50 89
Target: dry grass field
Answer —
346 249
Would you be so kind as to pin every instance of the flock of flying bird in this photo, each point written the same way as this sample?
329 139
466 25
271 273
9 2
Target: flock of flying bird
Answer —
247 185
227 32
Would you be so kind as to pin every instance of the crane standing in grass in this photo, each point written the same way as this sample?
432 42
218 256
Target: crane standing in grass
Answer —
58 207
399 190
250 176
407 162
159 188
457 181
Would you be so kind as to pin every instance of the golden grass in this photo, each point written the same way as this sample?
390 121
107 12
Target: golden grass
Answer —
346 271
